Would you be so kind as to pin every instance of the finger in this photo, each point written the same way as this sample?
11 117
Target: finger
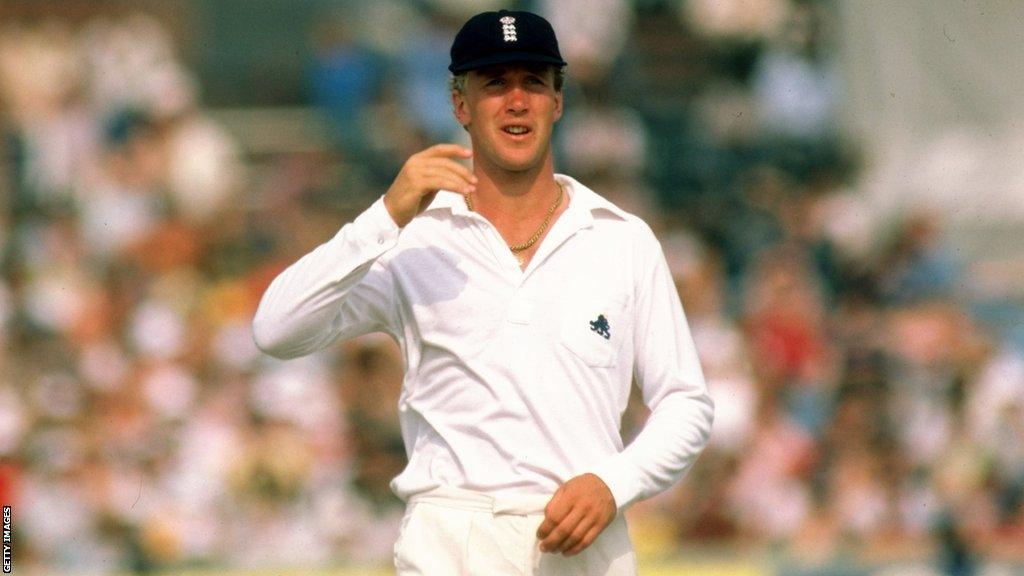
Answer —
445 181
464 177
579 531
422 173
556 541
449 150
454 167
545 528
554 512
585 541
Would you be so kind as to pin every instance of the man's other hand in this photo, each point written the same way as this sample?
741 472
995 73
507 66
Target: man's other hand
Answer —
422 175
577 513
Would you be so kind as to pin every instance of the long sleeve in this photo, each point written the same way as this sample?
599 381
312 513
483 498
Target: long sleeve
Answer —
337 291
669 375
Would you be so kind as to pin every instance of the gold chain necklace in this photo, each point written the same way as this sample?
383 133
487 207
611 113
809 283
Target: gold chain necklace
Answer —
517 248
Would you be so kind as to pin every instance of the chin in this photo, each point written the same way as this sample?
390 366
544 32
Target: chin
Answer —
518 166
520 162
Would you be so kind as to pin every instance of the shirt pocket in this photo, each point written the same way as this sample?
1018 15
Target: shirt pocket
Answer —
594 328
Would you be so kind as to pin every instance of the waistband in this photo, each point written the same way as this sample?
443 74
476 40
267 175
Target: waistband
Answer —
461 499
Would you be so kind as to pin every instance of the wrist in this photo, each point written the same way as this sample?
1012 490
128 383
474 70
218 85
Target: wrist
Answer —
395 215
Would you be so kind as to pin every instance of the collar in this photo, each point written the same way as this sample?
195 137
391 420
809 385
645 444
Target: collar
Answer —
448 200
585 202
588 203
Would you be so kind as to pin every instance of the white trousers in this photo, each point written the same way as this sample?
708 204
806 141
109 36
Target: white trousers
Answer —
455 532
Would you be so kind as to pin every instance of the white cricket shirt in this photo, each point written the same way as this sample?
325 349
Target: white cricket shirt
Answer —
516 380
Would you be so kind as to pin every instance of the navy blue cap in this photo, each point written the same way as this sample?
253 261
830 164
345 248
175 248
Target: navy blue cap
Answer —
504 37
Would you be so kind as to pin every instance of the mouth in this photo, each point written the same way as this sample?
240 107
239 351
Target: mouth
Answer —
516 130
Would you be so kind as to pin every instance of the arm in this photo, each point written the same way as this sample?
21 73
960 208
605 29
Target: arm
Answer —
670 378
340 289
669 375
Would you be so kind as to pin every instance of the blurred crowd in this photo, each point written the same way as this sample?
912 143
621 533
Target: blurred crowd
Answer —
862 409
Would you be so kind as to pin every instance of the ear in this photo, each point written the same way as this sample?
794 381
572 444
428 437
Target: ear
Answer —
558 105
460 108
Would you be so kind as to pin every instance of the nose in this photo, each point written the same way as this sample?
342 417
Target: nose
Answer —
516 100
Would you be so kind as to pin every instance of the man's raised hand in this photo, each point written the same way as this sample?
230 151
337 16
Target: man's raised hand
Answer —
423 174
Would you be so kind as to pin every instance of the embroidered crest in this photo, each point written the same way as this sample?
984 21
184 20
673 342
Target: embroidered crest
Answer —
601 327
508 28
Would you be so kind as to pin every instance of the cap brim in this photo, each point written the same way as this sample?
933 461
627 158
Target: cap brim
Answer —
506 58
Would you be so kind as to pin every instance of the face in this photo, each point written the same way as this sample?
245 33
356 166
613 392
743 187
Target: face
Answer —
509 112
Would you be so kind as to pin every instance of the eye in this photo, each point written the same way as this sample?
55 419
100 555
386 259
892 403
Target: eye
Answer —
496 82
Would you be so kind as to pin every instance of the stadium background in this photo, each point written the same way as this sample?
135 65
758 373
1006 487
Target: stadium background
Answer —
839 188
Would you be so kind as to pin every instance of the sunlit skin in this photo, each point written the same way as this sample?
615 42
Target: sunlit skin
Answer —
512 179
509 112
500 98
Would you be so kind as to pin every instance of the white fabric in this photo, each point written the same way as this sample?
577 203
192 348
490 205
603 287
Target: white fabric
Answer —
453 531
451 497
508 390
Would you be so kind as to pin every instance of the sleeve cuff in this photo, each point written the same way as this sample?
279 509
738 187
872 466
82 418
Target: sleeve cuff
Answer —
617 473
375 226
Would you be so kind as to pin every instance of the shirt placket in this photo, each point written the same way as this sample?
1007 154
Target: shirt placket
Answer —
503 257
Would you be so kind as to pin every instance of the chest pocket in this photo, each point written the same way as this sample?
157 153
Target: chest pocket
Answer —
594 329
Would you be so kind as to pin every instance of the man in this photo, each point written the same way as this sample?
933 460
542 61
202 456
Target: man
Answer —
525 304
